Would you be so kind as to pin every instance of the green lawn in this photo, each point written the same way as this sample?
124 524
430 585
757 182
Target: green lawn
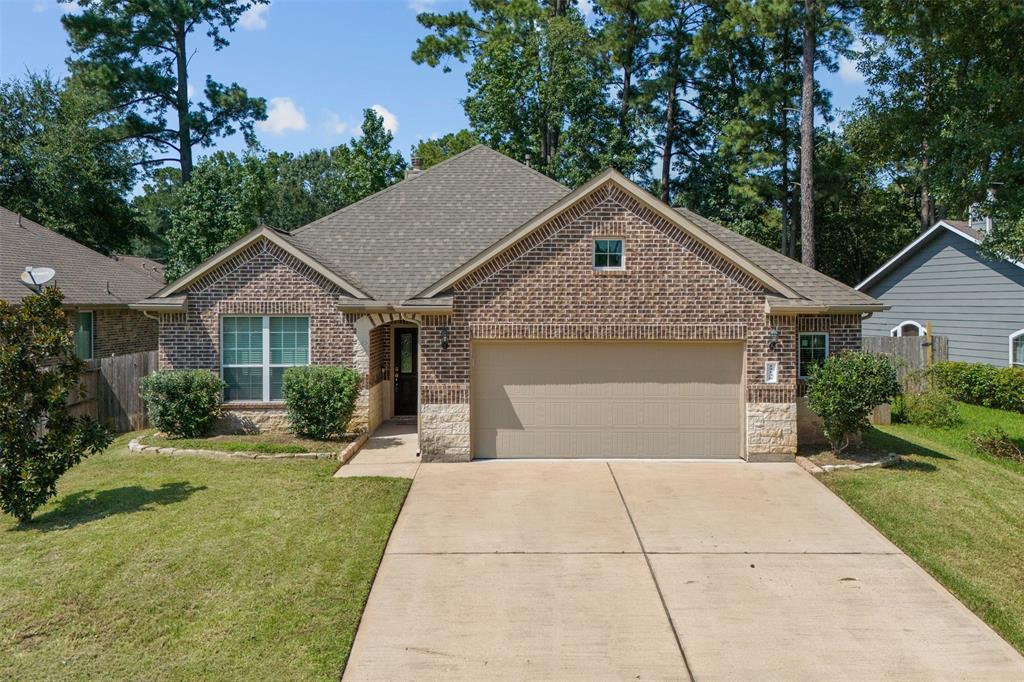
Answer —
156 567
957 513
266 443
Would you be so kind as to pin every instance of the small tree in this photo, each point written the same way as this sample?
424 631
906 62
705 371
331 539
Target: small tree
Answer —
845 388
39 440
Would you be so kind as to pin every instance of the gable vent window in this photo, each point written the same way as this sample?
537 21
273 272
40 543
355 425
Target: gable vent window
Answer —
609 254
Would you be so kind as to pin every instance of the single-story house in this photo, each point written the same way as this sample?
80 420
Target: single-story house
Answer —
517 318
942 278
97 289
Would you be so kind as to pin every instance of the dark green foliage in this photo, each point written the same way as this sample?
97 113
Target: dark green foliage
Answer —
39 440
433 152
980 384
995 442
183 403
63 164
320 399
933 408
845 388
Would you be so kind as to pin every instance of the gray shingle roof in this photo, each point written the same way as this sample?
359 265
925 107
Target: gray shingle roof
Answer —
85 276
399 241
813 285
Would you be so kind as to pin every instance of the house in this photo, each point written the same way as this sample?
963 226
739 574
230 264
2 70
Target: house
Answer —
516 318
97 289
941 277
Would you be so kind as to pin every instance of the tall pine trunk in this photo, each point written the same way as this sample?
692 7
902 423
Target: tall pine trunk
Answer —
927 200
669 143
807 138
184 131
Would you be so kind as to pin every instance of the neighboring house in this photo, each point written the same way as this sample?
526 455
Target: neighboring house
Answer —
97 289
517 318
941 278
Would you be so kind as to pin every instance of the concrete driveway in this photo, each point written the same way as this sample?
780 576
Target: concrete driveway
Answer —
654 570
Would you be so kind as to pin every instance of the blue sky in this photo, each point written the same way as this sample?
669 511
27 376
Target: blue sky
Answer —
318 64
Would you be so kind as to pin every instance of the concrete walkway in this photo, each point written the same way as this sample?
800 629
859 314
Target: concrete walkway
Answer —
654 570
392 451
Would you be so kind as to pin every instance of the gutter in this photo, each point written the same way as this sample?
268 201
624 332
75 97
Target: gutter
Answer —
778 309
395 307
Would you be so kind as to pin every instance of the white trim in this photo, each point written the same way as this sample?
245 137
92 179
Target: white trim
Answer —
914 244
898 329
593 253
645 198
800 336
266 364
1013 337
259 233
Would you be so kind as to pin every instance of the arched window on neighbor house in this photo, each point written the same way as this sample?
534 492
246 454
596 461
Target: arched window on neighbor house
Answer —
907 328
1017 348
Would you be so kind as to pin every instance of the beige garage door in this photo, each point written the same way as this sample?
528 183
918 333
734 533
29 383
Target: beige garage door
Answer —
611 399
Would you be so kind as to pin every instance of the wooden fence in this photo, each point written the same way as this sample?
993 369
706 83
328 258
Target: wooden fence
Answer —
110 391
911 355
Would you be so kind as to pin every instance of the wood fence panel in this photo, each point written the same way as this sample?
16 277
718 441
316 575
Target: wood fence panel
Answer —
110 390
910 355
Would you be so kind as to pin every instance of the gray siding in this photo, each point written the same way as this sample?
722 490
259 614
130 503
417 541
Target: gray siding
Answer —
976 302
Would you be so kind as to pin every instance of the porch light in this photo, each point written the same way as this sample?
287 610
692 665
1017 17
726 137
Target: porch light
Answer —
444 338
773 339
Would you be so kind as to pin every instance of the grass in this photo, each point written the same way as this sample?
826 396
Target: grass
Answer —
264 443
958 513
152 567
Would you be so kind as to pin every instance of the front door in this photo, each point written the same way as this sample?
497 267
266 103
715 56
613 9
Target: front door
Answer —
406 370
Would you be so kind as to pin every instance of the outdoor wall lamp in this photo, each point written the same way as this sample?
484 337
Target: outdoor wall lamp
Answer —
773 339
444 338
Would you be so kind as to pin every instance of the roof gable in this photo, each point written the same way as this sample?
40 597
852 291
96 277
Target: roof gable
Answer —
610 177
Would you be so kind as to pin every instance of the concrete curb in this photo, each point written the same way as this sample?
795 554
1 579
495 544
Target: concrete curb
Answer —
353 448
134 445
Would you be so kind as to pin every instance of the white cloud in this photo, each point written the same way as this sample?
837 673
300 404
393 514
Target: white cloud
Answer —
335 126
69 7
283 116
848 67
40 6
586 7
422 5
254 19
390 120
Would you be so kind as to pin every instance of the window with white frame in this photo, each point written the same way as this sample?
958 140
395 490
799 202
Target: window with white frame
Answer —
1017 349
813 351
255 352
609 254
907 328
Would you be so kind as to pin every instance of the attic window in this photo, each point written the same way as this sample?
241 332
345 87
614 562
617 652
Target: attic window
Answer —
908 328
609 254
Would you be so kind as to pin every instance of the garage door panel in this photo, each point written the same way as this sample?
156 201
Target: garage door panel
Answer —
578 399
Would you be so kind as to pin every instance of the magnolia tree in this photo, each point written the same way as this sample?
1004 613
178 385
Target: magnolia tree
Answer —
845 388
39 440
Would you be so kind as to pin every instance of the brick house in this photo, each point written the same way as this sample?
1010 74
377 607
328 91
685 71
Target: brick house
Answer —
513 317
98 289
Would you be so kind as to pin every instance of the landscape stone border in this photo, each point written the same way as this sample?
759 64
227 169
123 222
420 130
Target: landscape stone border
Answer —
814 468
136 445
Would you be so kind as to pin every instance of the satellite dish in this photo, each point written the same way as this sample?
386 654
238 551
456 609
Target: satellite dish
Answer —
34 278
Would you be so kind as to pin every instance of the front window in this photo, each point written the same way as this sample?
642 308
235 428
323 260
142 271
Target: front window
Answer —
813 351
255 351
1017 349
608 254
83 335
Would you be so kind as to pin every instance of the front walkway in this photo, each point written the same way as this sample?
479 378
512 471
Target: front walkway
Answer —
654 570
392 450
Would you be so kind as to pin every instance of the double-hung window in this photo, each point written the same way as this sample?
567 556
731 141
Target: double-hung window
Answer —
83 335
1017 349
813 351
255 352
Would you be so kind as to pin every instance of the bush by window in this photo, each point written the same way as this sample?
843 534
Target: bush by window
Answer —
183 403
320 399
844 388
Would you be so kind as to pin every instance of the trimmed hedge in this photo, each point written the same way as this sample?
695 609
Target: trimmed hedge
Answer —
183 403
845 388
320 399
980 384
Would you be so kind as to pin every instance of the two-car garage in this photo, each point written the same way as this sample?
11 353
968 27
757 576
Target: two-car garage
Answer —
574 399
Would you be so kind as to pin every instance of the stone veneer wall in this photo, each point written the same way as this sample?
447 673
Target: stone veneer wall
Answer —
673 288
119 331
262 280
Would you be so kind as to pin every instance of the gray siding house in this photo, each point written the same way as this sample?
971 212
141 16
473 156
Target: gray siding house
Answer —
942 278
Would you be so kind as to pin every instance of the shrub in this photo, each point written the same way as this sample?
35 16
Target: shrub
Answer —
980 384
997 443
39 440
183 403
845 388
320 399
932 408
